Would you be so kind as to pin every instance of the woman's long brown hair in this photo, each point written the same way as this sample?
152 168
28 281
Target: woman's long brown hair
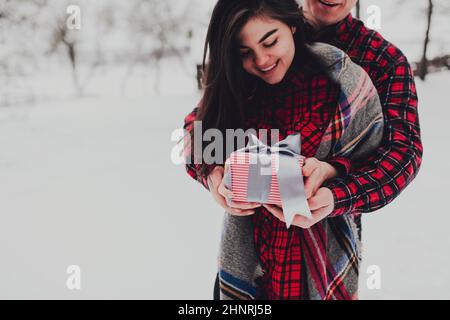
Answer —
227 87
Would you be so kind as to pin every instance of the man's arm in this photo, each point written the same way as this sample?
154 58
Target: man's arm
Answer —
379 179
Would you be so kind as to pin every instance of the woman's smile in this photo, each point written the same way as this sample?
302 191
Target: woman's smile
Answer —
329 4
270 68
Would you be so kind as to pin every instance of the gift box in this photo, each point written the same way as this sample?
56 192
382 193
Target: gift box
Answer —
240 163
270 175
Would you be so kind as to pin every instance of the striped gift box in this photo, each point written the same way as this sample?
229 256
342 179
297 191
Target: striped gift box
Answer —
239 167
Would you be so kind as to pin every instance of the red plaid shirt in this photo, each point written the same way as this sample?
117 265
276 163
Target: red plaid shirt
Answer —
377 181
306 107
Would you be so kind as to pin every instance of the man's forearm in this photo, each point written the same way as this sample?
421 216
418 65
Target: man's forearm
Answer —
376 181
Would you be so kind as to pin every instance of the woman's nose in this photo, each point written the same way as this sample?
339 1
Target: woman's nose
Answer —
261 60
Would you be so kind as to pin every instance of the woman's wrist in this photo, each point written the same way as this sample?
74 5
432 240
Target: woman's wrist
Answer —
332 172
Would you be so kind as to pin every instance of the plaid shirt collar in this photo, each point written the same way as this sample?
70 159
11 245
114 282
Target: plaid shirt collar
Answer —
330 33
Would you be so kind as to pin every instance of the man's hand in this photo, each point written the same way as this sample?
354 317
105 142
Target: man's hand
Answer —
220 193
316 173
321 205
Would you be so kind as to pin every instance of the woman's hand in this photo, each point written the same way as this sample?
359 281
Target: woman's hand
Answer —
321 205
221 193
316 173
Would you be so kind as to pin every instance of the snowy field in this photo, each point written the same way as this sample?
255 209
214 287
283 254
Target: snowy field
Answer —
89 182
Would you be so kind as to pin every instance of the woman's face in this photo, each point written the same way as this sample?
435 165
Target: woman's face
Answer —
323 13
267 48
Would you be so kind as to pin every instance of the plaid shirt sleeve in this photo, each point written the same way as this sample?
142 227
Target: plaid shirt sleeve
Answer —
192 168
371 185
342 165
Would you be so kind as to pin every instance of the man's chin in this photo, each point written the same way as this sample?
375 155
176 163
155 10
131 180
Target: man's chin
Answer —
326 20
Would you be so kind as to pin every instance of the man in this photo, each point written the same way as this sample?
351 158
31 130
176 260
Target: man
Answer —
368 186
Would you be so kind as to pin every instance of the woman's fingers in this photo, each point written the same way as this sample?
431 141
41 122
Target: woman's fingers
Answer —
244 205
316 202
313 182
320 214
322 198
311 171
224 191
224 196
306 223
215 178
221 193
228 194
309 166
234 211
243 211
227 165
220 199
239 212
303 222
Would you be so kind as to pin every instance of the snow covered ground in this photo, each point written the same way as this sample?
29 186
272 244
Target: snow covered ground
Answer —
91 183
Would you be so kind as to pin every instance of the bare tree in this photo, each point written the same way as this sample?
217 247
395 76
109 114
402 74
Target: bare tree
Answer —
435 9
62 36
157 31
358 9
69 40
423 69
17 54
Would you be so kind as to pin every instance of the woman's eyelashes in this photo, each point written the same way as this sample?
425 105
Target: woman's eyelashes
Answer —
269 45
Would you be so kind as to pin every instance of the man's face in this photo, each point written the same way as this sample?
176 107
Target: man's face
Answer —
323 13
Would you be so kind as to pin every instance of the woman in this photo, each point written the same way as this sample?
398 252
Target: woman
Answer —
262 74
